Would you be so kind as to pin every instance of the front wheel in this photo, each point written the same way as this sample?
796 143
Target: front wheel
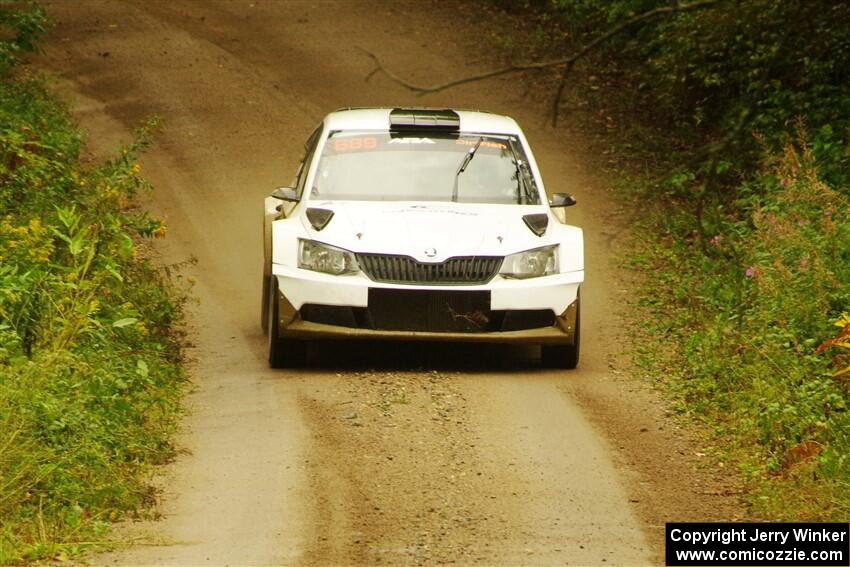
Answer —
563 356
264 305
283 353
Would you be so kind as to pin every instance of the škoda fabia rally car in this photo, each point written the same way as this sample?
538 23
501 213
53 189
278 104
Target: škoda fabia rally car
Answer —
420 224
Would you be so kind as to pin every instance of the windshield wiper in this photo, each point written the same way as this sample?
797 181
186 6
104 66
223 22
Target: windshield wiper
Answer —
466 159
522 192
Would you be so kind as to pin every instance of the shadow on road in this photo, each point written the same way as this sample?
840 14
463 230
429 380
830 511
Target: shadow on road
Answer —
404 355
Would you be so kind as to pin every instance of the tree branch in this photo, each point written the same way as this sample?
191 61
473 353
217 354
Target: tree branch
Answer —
568 63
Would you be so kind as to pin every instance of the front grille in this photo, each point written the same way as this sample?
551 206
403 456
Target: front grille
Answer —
460 270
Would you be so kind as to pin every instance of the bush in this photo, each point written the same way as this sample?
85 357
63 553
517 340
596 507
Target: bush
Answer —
747 260
711 77
20 28
89 363
749 318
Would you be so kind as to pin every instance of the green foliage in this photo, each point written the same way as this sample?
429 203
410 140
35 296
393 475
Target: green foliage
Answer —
747 316
713 77
19 28
773 61
89 367
747 259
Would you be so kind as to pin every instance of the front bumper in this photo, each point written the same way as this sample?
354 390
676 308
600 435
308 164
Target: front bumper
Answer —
304 293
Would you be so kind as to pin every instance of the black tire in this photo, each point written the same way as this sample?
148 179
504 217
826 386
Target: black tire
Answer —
564 356
264 305
283 353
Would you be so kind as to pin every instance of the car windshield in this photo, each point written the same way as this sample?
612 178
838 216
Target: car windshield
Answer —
424 166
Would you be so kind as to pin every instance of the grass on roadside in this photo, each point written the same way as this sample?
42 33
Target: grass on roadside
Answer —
90 376
747 310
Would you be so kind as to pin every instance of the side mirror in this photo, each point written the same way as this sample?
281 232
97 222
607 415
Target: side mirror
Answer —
562 200
285 194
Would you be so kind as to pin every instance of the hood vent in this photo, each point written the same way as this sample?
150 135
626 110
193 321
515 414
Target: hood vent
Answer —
319 218
537 223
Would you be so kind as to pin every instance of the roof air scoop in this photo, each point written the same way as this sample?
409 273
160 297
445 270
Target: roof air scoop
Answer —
403 119
537 223
319 218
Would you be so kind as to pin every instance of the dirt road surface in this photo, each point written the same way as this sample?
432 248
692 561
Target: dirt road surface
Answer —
379 453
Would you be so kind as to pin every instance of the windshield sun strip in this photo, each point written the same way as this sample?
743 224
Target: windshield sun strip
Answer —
510 145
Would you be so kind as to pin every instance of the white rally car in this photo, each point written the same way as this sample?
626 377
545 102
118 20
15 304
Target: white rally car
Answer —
420 224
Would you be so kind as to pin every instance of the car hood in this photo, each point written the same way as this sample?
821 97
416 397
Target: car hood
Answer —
429 232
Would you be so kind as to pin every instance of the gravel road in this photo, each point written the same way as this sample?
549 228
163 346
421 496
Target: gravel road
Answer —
380 453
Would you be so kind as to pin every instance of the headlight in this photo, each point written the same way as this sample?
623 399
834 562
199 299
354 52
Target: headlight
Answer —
323 258
531 263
